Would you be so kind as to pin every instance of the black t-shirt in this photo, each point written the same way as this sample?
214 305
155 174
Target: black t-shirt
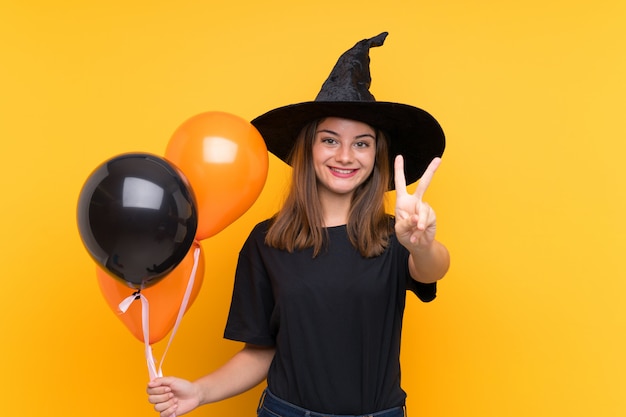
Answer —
335 321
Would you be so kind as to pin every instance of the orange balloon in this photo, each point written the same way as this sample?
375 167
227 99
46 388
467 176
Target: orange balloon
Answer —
165 297
225 160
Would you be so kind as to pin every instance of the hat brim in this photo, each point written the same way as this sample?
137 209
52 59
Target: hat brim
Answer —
412 132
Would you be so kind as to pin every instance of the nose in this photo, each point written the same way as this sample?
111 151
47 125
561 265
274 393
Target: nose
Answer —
344 154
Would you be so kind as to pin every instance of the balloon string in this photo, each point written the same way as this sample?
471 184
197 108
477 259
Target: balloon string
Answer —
145 318
183 305
145 324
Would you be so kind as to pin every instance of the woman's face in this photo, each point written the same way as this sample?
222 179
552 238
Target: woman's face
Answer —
344 153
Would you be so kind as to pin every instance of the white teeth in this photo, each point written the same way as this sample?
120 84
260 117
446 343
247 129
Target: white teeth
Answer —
342 171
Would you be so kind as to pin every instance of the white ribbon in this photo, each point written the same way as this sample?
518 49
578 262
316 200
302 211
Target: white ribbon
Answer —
145 318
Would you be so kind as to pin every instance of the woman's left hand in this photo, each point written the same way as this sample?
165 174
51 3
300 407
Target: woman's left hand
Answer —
415 219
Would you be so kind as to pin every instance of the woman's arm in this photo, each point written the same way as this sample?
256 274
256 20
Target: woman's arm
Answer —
246 369
416 224
429 264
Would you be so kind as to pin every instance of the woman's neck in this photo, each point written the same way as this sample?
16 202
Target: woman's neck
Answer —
335 208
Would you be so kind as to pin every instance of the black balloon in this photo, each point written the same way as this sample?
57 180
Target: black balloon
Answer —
137 217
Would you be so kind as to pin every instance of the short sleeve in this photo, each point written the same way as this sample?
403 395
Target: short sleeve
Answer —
252 300
425 292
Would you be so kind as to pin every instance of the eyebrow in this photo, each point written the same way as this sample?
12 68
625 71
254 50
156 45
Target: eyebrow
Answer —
364 135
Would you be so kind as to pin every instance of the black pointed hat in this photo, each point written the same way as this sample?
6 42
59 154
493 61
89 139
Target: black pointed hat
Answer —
412 132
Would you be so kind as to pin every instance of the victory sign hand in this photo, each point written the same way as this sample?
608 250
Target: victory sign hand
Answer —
415 219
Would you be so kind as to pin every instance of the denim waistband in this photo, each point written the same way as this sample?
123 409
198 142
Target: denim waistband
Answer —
286 409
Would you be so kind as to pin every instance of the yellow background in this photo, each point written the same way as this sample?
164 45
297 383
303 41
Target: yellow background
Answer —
531 319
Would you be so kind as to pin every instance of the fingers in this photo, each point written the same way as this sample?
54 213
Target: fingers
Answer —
160 394
399 179
426 217
167 412
423 217
415 219
424 182
158 386
166 407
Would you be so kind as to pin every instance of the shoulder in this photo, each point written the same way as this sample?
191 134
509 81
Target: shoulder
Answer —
261 227
256 238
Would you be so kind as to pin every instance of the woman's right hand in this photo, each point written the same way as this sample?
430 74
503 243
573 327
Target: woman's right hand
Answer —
173 396
247 368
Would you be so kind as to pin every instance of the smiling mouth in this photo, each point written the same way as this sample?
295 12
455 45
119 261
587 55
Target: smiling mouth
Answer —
342 171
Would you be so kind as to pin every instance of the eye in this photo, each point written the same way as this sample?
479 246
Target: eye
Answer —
329 141
363 144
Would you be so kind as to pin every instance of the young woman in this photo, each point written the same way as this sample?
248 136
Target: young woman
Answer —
320 288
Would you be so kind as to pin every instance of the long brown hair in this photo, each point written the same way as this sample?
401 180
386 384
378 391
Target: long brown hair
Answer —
299 223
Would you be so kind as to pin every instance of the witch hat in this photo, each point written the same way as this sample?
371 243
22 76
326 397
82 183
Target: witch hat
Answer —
411 132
